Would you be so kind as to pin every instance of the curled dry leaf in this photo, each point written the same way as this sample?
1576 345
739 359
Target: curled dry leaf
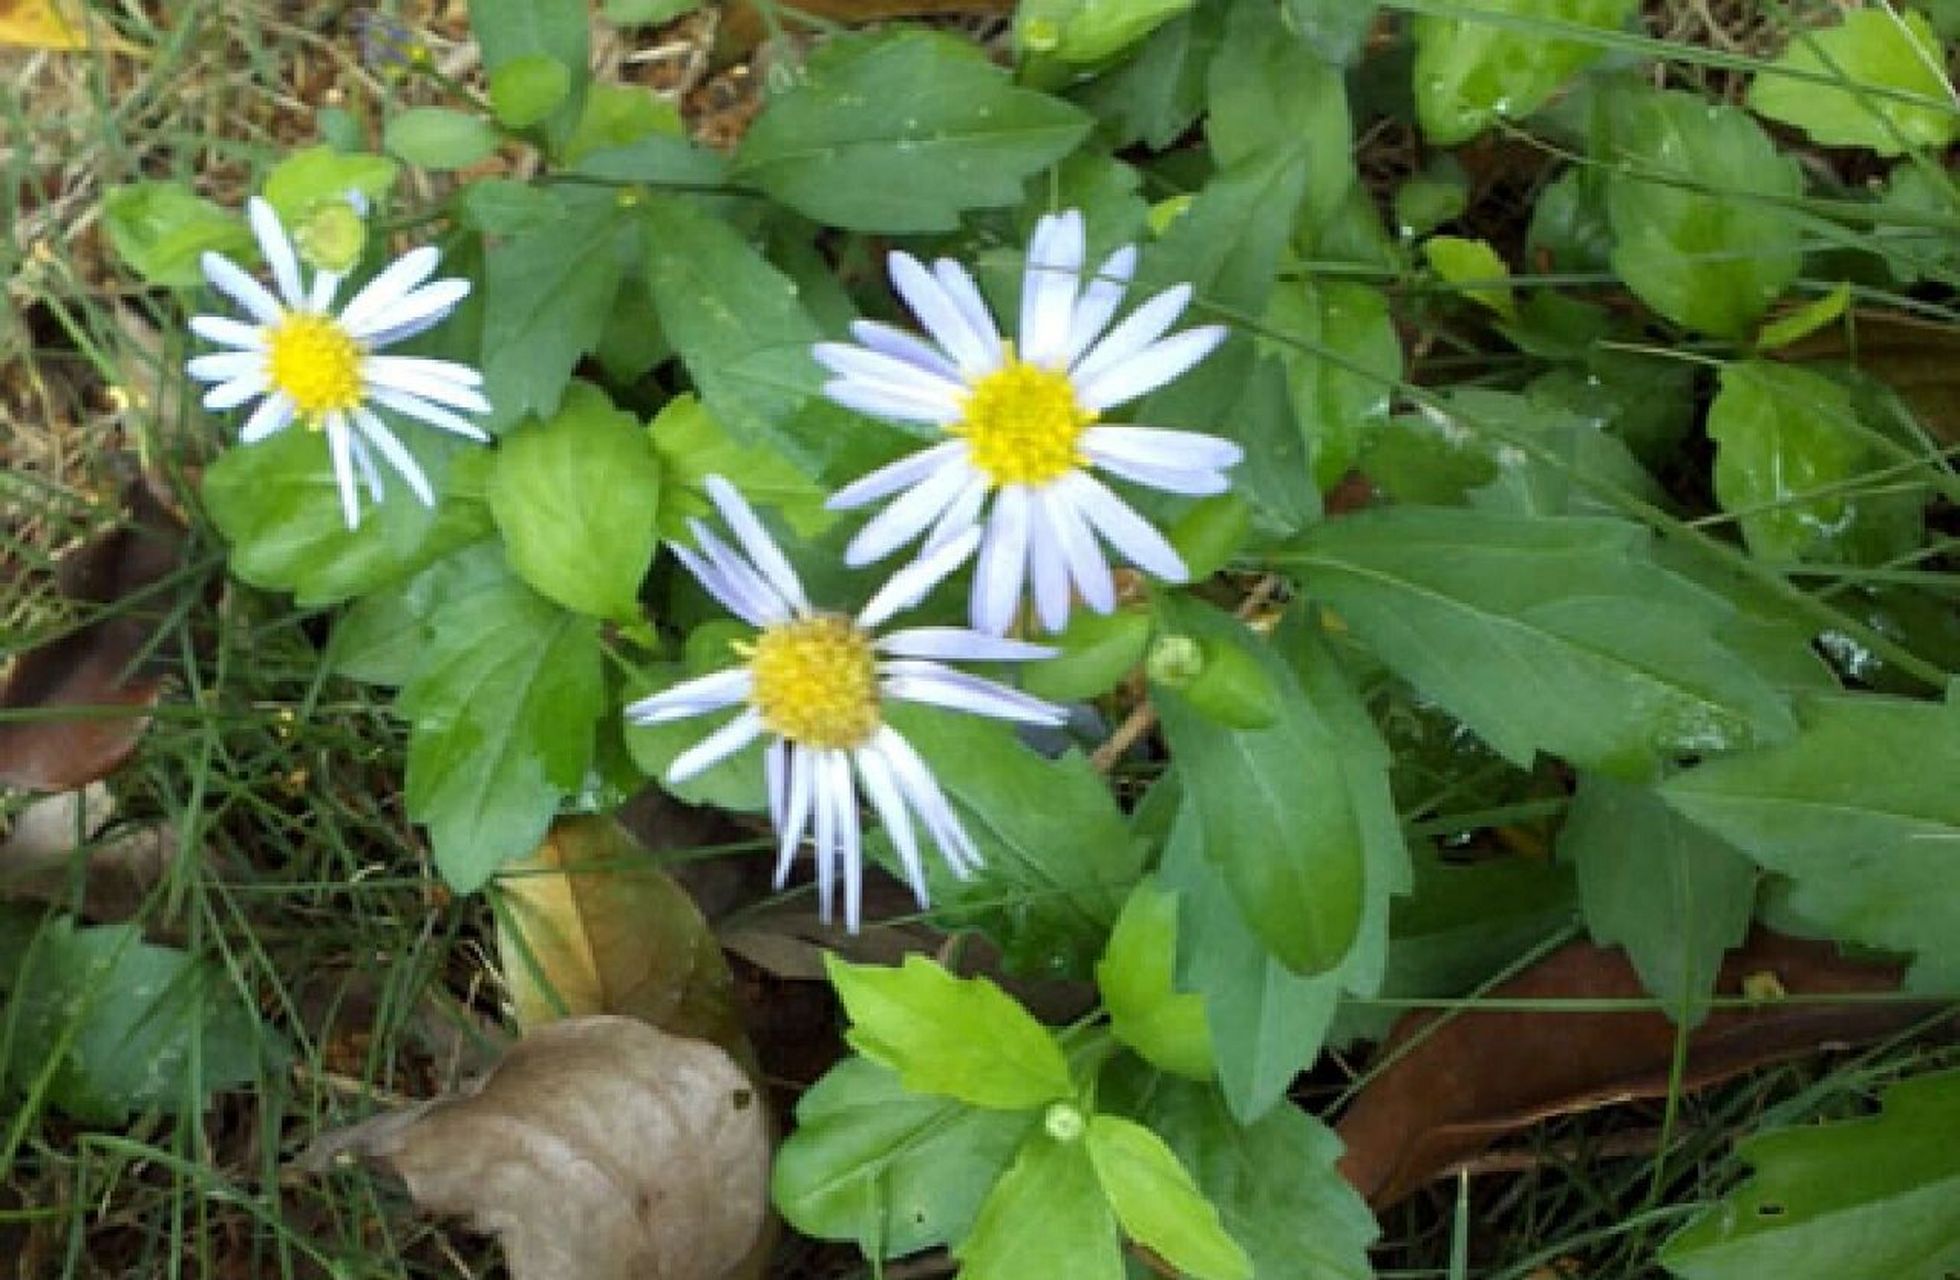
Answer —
598 1149
1486 1073
98 665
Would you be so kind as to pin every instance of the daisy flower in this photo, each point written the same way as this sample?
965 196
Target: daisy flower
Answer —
303 362
1022 421
817 683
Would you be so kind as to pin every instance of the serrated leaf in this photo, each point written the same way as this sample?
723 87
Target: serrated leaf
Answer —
501 709
693 446
439 138
1675 896
1859 811
960 1038
902 131
894 1171
1879 48
1471 71
576 498
1045 1217
162 229
1137 979
1874 1199
1692 195
1543 634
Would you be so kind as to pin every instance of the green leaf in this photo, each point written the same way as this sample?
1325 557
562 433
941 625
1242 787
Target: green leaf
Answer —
513 30
892 1170
501 709
1154 95
1088 31
1093 653
1343 360
736 784
620 115
307 178
1158 1205
1675 896
1471 71
1859 811
1543 634
1045 1217
1271 96
162 229
135 1026
646 13
1135 975
1474 267
1870 49
1275 1183
693 446
1552 480
1783 433
277 505
902 131
960 1038
378 639
1806 319
1872 1199
1692 195
439 138
526 89
576 499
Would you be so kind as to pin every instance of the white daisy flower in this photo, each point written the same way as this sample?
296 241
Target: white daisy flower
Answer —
817 681
1022 421
303 362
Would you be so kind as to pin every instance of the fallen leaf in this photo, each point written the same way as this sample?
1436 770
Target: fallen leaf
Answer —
598 1149
45 24
121 870
1486 1073
97 666
1914 357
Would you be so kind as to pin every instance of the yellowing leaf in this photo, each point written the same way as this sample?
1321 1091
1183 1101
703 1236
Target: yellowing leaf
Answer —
49 24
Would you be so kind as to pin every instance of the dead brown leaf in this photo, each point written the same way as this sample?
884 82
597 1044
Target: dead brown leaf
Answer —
1486 1073
120 872
1919 359
98 666
599 1149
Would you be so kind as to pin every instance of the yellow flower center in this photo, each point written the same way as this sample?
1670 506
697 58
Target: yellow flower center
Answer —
316 363
1022 423
815 681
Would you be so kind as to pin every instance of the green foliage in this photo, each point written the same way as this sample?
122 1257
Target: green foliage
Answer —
1135 975
1873 1199
526 89
1883 49
1046 1216
1474 267
1093 653
1088 31
1342 361
307 178
162 229
440 138
1158 1205
692 445
521 31
1502 59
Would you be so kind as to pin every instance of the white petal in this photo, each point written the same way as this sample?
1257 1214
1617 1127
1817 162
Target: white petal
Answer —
922 792
883 792
223 366
326 284
732 598
1159 447
229 395
693 697
422 410
775 779
340 447
232 333
906 517
443 381
278 250
959 286
739 573
940 314
871 366
397 455
410 315
274 414
1127 531
1139 329
916 580
891 400
716 747
957 644
850 838
1192 484
893 476
382 292
1148 369
1003 562
228 278
1048 567
1048 288
961 514
364 465
1099 300
826 836
889 341
908 680
764 554
1085 559
796 811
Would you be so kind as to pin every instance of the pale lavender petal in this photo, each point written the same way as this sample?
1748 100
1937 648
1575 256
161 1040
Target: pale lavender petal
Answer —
232 333
883 792
410 315
693 697
962 513
939 313
1099 301
1192 484
1048 567
1085 559
905 518
1048 289
340 447
443 381
922 792
959 286
957 644
1161 447
1003 562
911 680
850 835
277 249
274 414
916 580
864 365
796 811
1138 330
229 395
893 476
734 569
716 747
421 410
731 596
888 400
826 834
763 552
392 285
364 463
1128 532
223 366
886 340
397 455
319 299
228 278
1150 368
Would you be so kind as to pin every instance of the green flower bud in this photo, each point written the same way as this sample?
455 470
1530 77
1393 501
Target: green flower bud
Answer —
1064 1122
331 235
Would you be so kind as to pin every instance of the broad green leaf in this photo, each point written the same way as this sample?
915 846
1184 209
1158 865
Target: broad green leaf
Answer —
135 1026
1271 95
1156 93
511 31
1343 361
439 138
693 446
546 296
1674 895
378 638
1337 29
1093 653
1045 1217
902 131
1274 1182
892 1170
1543 634
576 498
960 1038
526 89
1474 267
1783 433
1879 48
1089 31
317 174
162 229
1157 1204
1054 875
507 207
501 709
1859 811
277 505
1138 985
620 115
1557 478
1692 194
1872 1199
1471 71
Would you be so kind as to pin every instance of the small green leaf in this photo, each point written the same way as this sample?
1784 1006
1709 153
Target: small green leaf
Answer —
1088 31
1474 267
307 178
693 445
1146 1011
439 138
1211 532
1806 319
902 131
1272 97
576 498
1872 1199
1471 71
1158 1205
1343 361
1094 652
1045 1217
957 1037
513 30
526 89
646 13
619 115
1880 48
162 229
